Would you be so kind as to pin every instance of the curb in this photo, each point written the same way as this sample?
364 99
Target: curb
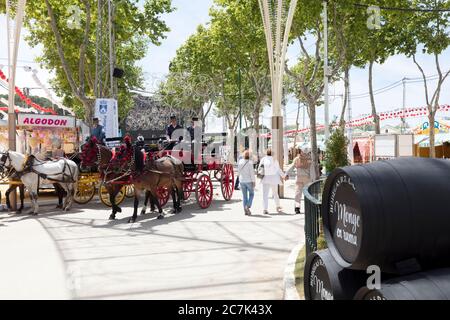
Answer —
290 290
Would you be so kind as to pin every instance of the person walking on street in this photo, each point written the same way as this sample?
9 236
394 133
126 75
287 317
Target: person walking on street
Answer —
302 164
247 181
270 172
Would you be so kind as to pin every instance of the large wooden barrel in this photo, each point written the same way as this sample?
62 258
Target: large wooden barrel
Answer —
324 279
394 214
432 285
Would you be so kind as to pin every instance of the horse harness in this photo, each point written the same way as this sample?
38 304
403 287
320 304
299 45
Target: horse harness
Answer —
29 168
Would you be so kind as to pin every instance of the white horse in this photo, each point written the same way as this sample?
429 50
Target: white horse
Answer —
64 172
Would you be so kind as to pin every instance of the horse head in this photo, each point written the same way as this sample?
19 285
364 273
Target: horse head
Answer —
5 161
12 160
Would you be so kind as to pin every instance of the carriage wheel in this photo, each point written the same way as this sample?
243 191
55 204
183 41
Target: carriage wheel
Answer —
163 196
129 191
227 181
104 195
85 192
204 191
187 185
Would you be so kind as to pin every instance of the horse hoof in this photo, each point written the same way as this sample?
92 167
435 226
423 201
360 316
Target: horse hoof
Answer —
179 210
160 217
34 214
132 220
143 213
59 206
118 209
112 217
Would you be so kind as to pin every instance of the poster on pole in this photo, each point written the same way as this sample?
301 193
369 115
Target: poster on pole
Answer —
107 112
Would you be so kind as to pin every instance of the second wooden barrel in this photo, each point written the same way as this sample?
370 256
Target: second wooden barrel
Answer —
432 285
394 214
324 279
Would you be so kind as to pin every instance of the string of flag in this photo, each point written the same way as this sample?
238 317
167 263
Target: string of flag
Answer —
368 119
25 99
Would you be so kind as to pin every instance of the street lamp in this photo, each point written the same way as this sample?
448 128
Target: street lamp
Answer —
277 26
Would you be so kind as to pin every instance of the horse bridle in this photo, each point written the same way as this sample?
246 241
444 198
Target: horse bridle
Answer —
5 156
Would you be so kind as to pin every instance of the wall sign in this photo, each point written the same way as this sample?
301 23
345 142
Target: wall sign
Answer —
41 120
106 110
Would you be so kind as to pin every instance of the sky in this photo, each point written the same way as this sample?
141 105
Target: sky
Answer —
190 13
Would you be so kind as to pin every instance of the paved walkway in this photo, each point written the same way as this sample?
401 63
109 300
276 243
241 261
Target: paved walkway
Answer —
213 254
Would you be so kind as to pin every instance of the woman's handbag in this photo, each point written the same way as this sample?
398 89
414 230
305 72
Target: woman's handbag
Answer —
260 174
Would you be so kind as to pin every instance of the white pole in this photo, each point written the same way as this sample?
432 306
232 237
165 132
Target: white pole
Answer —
350 130
14 40
325 66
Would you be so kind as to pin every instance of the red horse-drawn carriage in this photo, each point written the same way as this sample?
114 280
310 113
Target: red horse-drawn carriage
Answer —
198 174
198 178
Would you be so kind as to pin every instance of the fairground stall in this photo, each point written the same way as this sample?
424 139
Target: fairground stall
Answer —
442 140
45 136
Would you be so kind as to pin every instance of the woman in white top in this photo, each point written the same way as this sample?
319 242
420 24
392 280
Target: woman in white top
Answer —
273 176
247 181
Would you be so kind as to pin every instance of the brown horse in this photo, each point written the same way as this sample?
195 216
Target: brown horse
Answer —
98 157
171 166
166 173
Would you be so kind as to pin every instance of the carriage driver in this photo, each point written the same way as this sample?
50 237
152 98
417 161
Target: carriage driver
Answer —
98 131
170 130
172 127
195 126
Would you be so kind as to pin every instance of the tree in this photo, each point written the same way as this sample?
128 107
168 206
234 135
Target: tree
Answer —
207 65
381 41
336 154
69 52
239 25
430 33
308 74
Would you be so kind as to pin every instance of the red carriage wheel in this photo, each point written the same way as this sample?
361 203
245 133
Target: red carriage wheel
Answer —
187 185
227 181
204 191
163 196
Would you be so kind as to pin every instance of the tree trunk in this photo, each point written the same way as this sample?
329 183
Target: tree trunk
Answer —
376 118
89 114
344 105
297 125
431 119
313 137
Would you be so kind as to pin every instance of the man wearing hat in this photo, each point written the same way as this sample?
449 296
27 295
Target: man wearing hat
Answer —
98 131
191 129
172 127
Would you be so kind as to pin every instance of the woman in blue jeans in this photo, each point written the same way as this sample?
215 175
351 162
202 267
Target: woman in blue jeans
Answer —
247 180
